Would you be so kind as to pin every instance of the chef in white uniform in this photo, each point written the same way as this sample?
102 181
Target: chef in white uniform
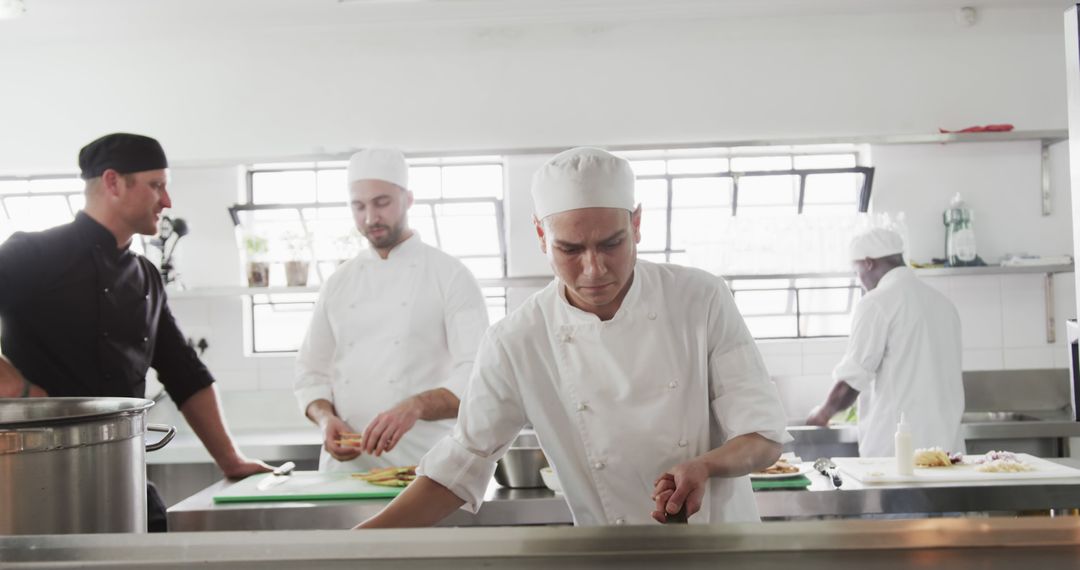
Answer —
903 355
641 380
393 335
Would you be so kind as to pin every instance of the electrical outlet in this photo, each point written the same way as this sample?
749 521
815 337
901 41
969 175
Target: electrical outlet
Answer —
198 338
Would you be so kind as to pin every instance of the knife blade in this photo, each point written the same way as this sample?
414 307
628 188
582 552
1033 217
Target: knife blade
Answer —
277 476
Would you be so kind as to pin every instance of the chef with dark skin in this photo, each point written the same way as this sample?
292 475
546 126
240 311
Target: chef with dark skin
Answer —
83 315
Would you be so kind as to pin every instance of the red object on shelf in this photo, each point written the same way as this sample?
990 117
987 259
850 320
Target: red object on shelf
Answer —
1002 128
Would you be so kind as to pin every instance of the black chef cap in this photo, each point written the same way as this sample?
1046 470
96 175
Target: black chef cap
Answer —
123 152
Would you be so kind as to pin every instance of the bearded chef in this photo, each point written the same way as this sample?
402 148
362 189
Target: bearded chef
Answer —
903 354
643 384
393 335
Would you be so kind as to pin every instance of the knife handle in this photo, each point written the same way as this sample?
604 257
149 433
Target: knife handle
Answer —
679 517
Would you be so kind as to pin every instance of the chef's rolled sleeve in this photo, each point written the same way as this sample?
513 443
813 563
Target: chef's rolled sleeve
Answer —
463 472
744 398
489 418
866 347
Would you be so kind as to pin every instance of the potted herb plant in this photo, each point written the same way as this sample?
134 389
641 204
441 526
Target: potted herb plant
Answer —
297 266
258 269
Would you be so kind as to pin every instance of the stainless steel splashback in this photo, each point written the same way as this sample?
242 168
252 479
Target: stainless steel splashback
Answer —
1043 390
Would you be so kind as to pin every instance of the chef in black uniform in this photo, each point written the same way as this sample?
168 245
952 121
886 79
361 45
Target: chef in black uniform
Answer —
82 315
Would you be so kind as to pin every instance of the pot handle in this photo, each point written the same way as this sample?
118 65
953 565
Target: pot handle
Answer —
170 432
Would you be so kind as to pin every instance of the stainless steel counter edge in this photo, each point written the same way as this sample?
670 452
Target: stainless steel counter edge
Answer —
839 543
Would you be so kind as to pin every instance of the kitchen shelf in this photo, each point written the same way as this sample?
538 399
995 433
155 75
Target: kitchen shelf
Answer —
925 272
541 281
240 290
995 270
1047 271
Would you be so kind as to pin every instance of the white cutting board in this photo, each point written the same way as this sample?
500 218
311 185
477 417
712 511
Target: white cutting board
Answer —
882 470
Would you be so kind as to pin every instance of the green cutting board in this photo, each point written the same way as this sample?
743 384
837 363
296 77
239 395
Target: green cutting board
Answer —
800 482
305 486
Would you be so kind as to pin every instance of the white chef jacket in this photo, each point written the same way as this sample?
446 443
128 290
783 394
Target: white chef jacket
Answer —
387 329
616 403
904 354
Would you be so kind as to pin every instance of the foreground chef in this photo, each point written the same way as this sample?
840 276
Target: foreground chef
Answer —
85 316
903 355
394 332
641 380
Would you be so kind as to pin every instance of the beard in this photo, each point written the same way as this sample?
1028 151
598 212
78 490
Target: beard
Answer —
148 226
388 239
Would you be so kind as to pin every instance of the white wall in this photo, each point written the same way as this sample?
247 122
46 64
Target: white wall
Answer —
208 255
271 90
1000 182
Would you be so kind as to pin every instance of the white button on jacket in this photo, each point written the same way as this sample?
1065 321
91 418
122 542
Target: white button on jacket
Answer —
354 359
608 458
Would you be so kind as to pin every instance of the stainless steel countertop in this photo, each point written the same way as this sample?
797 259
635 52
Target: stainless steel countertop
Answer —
836 545
507 507
856 499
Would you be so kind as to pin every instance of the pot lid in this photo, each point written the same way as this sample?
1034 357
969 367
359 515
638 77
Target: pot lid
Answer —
23 412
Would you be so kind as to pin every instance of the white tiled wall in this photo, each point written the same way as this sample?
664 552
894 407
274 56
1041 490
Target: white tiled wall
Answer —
1004 328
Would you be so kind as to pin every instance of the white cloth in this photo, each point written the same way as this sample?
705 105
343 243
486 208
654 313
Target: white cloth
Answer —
616 403
583 177
384 330
384 164
904 355
875 243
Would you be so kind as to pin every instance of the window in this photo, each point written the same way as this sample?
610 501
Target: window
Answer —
720 209
40 202
796 307
457 208
34 204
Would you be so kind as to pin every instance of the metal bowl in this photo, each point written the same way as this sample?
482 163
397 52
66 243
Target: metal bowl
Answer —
520 467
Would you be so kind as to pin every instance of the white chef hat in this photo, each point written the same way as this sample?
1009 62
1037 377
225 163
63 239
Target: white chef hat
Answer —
875 243
384 164
583 177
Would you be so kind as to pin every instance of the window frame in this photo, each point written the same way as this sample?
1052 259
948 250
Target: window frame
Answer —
863 204
794 290
498 205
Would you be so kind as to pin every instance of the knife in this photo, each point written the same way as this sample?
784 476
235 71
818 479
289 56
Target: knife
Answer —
835 472
827 468
679 517
277 476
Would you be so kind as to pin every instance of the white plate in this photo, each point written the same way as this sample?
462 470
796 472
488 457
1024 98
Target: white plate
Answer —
804 468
